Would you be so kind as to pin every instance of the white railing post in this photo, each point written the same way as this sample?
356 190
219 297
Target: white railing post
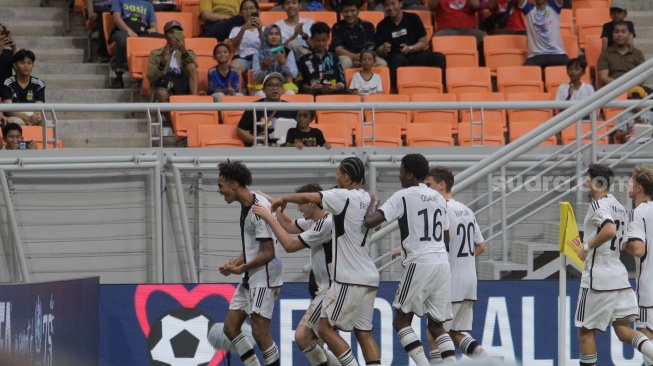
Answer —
504 222
11 216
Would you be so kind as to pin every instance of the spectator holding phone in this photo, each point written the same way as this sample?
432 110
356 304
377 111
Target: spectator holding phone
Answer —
24 88
8 45
273 57
246 39
320 71
12 135
223 79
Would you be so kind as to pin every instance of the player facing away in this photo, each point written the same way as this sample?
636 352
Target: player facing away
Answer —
314 231
605 295
640 240
425 285
466 242
259 264
349 304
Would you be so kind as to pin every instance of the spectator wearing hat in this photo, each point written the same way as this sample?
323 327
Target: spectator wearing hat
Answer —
132 18
625 131
619 58
273 88
618 13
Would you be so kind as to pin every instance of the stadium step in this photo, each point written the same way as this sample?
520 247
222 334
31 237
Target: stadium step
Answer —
83 81
59 56
495 270
116 133
87 95
20 3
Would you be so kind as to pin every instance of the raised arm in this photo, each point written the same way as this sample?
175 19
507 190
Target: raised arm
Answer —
298 198
290 243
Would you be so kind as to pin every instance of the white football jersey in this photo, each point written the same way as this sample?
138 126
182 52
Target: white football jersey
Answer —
253 230
641 228
464 235
422 217
317 237
603 269
351 260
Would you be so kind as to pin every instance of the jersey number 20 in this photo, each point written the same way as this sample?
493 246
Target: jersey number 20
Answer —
467 235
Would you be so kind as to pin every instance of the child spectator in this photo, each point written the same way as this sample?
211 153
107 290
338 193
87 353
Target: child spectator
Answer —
575 90
625 131
12 134
246 39
304 135
365 82
618 13
24 88
223 79
320 71
7 50
272 59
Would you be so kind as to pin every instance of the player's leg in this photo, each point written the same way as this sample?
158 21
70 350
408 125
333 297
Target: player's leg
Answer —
335 312
645 326
236 316
306 336
649 334
336 343
626 311
364 313
409 340
587 346
408 301
434 352
438 308
460 326
263 299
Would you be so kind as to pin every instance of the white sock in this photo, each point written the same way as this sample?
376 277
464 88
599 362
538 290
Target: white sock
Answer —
315 355
245 350
643 345
446 348
434 357
347 359
413 346
588 359
332 360
470 347
271 355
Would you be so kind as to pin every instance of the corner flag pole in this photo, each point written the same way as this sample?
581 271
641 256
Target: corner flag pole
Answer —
562 310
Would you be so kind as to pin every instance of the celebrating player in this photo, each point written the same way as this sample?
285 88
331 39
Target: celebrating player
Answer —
425 285
350 300
260 265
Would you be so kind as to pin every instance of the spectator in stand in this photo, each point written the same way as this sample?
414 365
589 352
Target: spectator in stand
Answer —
272 87
12 134
94 11
352 35
458 18
295 30
213 12
401 39
320 71
405 5
505 18
24 88
365 82
8 45
624 132
246 39
545 47
223 79
304 135
132 18
618 13
575 89
273 57
619 58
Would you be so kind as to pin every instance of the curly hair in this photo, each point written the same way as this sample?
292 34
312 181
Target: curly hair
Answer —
442 173
602 173
309 188
643 175
235 171
416 164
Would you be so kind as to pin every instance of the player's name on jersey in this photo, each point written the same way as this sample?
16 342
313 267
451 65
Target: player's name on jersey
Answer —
426 198
460 213
618 209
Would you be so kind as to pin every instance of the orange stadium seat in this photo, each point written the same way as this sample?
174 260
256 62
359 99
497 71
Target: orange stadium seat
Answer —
444 116
395 117
217 136
571 45
107 27
384 72
138 54
589 22
427 19
233 117
419 80
298 98
184 123
203 80
519 129
384 135
469 80
584 4
520 79
203 48
554 76
336 134
612 112
79 6
192 7
185 19
488 134
328 17
271 17
593 46
569 134
429 134
566 22
460 50
489 116
505 50
352 119
35 133
372 16
534 117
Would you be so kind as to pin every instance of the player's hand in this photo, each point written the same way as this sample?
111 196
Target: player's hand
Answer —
396 253
262 211
582 254
278 204
234 269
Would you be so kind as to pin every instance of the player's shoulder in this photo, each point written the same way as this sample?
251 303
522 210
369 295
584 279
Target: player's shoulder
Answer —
261 200
644 209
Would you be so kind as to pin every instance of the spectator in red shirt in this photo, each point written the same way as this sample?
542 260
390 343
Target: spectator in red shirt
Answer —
457 18
514 24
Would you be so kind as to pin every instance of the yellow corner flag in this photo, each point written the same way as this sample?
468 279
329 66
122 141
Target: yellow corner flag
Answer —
570 243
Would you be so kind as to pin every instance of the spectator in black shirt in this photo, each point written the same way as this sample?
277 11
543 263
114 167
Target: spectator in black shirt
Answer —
401 39
7 50
273 88
24 88
618 13
320 71
304 135
352 35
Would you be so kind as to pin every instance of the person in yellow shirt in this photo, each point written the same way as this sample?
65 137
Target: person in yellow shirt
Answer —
213 12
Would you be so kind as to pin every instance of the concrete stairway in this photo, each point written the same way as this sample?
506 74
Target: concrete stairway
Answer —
60 57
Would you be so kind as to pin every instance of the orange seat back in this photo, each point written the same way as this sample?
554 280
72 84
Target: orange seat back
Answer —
429 134
383 135
468 80
233 117
444 116
520 79
185 123
505 50
460 50
185 19
419 80
218 136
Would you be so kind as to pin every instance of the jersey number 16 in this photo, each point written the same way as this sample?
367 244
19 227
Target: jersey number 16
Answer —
437 226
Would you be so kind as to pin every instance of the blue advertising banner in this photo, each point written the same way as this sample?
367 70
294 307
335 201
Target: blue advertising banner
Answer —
167 324
50 323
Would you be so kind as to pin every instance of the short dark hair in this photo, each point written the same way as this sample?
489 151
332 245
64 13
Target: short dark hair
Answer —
603 172
251 1
643 176
235 171
578 61
222 44
622 22
320 28
416 164
355 3
442 174
23 54
354 168
309 188
11 127
311 112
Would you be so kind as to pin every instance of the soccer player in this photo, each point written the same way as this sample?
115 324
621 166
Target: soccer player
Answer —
349 303
640 239
466 243
260 265
425 285
314 231
605 295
